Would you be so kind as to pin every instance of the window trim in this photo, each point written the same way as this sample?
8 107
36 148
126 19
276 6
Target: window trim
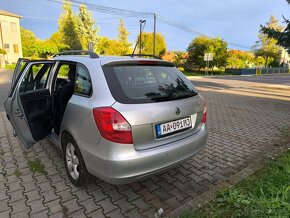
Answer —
92 90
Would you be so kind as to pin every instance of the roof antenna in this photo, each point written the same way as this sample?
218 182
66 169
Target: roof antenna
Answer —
140 36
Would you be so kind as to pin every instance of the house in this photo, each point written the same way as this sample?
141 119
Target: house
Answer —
10 40
285 59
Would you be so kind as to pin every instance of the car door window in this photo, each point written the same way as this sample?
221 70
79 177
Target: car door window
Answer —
19 68
83 81
36 77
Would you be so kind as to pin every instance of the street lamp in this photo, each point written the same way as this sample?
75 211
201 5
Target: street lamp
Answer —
140 36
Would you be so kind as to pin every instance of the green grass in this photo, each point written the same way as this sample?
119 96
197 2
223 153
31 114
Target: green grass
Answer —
17 173
264 194
36 166
10 66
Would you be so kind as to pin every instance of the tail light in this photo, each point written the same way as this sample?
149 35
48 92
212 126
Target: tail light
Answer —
203 120
112 125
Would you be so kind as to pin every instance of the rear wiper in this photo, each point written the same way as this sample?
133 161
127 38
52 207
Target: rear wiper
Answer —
183 95
173 96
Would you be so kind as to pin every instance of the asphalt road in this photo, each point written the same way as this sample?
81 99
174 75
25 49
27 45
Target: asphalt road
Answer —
5 81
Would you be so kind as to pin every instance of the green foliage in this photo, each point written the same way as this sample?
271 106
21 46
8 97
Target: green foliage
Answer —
36 166
86 30
30 44
147 44
179 58
240 59
283 38
68 28
56 38
2 51
203 44
125 47
264 194
108 46
266 46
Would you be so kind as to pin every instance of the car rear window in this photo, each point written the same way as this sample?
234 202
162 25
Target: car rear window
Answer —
135 84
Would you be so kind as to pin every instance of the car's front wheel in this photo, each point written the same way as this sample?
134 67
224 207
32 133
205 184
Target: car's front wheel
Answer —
74 162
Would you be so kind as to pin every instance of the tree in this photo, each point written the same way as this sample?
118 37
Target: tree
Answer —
240 59
56 38
68 27
203 44
266 46
283 38
30 44
123 39
108 46
86 27
147 44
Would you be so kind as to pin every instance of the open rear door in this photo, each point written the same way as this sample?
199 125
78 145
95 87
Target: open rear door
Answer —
29 106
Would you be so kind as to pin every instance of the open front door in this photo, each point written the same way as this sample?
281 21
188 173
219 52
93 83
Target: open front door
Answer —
29 107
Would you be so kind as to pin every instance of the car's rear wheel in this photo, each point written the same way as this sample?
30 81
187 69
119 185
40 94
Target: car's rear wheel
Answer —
74 162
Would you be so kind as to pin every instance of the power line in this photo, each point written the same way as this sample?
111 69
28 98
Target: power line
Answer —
131 13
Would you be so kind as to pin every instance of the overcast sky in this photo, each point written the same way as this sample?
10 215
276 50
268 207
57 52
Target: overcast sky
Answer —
234 21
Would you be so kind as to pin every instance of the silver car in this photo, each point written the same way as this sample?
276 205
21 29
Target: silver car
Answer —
117 118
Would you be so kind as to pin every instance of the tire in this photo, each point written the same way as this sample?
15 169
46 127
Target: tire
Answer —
74 162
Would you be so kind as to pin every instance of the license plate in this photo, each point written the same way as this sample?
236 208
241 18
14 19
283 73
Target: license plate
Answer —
174 126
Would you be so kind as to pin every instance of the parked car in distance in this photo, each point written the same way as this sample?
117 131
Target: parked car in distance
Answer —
117 118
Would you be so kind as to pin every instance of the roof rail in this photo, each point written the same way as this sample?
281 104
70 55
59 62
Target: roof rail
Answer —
77 52
142 55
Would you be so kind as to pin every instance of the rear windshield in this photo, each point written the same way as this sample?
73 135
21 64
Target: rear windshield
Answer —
147 84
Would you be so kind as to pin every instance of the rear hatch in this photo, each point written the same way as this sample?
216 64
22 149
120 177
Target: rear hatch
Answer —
159 102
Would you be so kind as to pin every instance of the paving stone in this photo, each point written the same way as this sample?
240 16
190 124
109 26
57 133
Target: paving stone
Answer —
22 214
97 213
49 196
5 214
115 213
114 195
53 206
141 205
89 205
36 206
17 206
71 206
98 195
106 205
42 214
130 194
65 195
81 195
237 138
45 186
33 195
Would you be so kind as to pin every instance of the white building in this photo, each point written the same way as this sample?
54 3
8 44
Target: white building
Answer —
285 58
10 39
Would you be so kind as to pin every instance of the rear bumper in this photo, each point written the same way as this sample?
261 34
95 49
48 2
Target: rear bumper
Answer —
120 164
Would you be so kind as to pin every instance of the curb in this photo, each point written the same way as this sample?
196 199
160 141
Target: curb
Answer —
210 195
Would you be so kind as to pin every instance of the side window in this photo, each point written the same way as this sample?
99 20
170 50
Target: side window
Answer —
36 77
83 81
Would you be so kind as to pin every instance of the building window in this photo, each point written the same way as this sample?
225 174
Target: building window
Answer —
13 27
15 48
7 47
5 27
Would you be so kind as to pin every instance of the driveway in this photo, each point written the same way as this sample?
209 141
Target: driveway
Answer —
244 121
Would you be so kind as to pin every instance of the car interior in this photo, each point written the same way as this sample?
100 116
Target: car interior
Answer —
63 90
44 111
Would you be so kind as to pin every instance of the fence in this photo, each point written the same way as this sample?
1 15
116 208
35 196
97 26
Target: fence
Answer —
257 71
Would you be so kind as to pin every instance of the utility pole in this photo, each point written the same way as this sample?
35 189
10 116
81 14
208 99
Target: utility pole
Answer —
154 34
